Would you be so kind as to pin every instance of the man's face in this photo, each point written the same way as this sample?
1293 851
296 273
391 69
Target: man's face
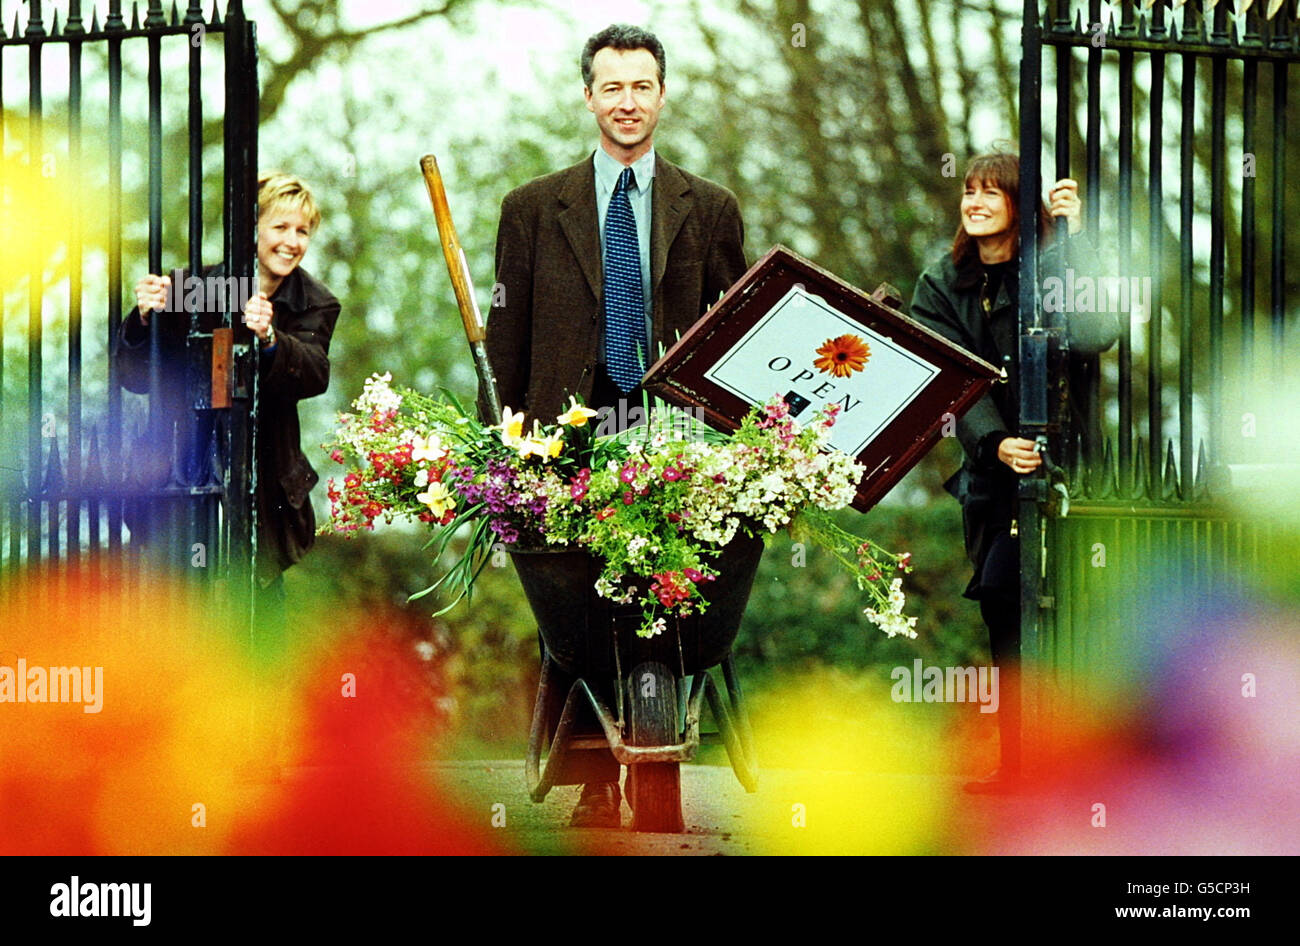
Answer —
626 97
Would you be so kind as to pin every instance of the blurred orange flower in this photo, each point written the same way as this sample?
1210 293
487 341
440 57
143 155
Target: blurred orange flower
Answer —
842 356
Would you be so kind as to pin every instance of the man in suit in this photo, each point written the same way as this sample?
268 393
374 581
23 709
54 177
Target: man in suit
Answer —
600 264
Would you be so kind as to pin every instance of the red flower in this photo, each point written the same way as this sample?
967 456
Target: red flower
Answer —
605 513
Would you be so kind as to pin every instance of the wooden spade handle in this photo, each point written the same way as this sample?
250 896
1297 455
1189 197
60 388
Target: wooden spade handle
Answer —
451 248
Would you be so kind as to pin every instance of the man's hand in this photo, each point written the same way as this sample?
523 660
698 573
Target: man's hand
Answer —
1063 201
1019 454
258 314
151 295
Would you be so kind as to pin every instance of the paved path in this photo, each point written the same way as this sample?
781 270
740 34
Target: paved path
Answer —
794 811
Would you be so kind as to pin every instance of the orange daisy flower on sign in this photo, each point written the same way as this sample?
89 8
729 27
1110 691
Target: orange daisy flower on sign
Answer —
842 356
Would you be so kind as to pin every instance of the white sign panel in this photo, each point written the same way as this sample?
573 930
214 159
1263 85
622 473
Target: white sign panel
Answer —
812 354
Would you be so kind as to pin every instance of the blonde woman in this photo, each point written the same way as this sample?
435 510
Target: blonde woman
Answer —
293 315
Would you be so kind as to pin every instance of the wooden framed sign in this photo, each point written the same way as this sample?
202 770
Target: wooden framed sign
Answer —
790 327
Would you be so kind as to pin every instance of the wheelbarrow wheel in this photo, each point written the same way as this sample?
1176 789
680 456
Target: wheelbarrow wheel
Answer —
654 788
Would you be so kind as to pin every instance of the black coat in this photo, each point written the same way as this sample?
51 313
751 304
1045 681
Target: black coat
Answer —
953 301
297 367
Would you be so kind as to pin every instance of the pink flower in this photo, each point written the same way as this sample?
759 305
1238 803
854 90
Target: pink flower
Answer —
629 498
336 455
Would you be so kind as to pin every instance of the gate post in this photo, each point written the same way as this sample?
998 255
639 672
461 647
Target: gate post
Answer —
240 242
1033 391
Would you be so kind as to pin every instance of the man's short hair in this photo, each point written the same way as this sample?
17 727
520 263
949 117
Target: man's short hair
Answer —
279 191
622 36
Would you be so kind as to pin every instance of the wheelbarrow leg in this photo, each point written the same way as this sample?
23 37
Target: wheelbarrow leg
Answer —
537 734
735 729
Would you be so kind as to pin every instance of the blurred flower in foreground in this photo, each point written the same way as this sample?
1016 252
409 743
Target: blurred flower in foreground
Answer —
162 767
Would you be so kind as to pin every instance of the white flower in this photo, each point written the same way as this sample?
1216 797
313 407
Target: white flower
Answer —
656 627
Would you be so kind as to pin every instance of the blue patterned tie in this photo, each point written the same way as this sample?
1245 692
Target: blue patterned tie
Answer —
625 342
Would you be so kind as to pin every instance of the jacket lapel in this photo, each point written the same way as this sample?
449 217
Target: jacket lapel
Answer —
671 202
580 223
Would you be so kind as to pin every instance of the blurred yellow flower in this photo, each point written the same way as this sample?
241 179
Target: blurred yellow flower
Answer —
511 427
546 447
438 498
576 415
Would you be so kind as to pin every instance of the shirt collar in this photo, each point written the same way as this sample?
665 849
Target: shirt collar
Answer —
608 170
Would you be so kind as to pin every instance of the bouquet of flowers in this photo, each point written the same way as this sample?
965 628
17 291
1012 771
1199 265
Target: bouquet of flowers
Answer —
655 502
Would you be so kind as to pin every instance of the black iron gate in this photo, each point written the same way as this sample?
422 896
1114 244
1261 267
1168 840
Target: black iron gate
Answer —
69 476
1169 428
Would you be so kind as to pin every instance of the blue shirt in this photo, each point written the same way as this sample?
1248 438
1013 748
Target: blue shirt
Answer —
607 174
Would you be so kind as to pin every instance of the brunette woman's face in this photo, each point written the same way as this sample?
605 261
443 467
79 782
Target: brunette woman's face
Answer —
985 210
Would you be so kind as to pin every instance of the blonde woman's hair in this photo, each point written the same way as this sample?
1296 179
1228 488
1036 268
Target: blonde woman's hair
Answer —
279 191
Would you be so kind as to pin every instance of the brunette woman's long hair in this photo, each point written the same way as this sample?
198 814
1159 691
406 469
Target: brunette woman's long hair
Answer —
1000 169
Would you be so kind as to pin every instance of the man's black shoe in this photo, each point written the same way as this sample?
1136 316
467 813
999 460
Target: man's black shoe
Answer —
599 807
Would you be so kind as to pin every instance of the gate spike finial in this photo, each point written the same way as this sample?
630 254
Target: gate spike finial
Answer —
1108 487
54 27
1141 482
1200 482
93 476
1273 7
176 16
213 460
135 14
52 481
1171 472
94 20
215 19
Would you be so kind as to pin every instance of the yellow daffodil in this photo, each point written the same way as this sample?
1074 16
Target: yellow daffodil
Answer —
576 415
552 444
427 448
511 427
438 498
546 447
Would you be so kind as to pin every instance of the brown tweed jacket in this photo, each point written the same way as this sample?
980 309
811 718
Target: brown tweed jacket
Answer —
544 327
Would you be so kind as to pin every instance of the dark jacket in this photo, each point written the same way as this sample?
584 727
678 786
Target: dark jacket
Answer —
953 301
542 338
297 367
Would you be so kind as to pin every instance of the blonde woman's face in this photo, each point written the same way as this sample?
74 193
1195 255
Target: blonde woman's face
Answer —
282 238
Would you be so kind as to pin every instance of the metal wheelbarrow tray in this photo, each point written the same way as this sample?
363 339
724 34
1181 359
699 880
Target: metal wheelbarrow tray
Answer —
653 723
